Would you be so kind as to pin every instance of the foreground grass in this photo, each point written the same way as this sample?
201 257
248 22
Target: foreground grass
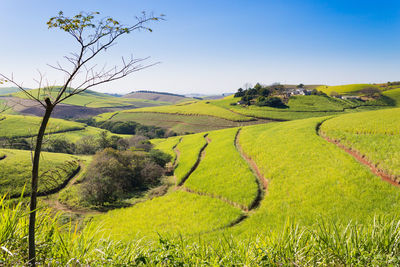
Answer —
326 243
223 172
15 171
374 134
310 178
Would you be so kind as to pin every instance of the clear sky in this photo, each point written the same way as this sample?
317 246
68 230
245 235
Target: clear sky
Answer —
208 46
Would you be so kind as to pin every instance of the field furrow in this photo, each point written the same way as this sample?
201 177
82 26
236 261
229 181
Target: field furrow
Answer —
190 150
223 173
310 179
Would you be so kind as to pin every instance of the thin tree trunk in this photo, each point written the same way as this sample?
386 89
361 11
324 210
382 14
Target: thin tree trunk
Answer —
35 179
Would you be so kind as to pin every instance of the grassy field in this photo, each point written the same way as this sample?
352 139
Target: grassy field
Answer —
195 108
180 124
393 94
94 99
375 134
26 126
15 171
223 172
345 89
167 145
310 178
188 149
175 213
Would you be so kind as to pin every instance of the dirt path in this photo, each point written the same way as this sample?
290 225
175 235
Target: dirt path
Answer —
199 158
261 181
360 158
365 161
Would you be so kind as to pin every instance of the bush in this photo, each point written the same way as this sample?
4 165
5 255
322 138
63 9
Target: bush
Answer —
112 174
59 145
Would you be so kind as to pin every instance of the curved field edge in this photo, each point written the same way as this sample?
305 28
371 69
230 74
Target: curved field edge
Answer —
373 136
55 171
173 214
223 173
310 178
203 108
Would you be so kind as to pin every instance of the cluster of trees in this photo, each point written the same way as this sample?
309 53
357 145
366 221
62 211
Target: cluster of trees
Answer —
113 174
129 127
262 95
87 145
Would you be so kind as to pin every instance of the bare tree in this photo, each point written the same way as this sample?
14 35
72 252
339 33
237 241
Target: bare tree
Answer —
93 37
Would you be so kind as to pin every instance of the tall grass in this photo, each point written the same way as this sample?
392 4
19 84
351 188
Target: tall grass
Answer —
325 243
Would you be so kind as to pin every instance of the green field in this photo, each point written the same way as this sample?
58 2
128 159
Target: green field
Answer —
27 126
194 108
167 145
374 134
310 178
94 99
345 89
15 171
177 123
188 149
18 126
393 94
299 107
176 213
223 172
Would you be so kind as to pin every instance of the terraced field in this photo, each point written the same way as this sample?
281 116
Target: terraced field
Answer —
193 108
311 179
177 123
26 126
176 213
19 126
308 178
210 193
373 136
15 171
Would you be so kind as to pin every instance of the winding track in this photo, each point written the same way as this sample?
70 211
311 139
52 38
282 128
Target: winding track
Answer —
361 158
260 180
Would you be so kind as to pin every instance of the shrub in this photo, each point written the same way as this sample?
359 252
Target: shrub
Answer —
112 174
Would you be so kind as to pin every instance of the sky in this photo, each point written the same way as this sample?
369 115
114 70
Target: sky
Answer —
214 47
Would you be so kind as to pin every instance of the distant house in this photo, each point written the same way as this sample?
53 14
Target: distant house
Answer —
351 97
297 91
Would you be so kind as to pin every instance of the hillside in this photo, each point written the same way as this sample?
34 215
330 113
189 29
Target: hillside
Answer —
235 167
8 90
56 170
94 99
157 96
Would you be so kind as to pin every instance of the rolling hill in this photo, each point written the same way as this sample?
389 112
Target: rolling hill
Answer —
157 96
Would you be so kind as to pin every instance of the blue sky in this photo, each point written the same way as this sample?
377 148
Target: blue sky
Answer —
217 46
